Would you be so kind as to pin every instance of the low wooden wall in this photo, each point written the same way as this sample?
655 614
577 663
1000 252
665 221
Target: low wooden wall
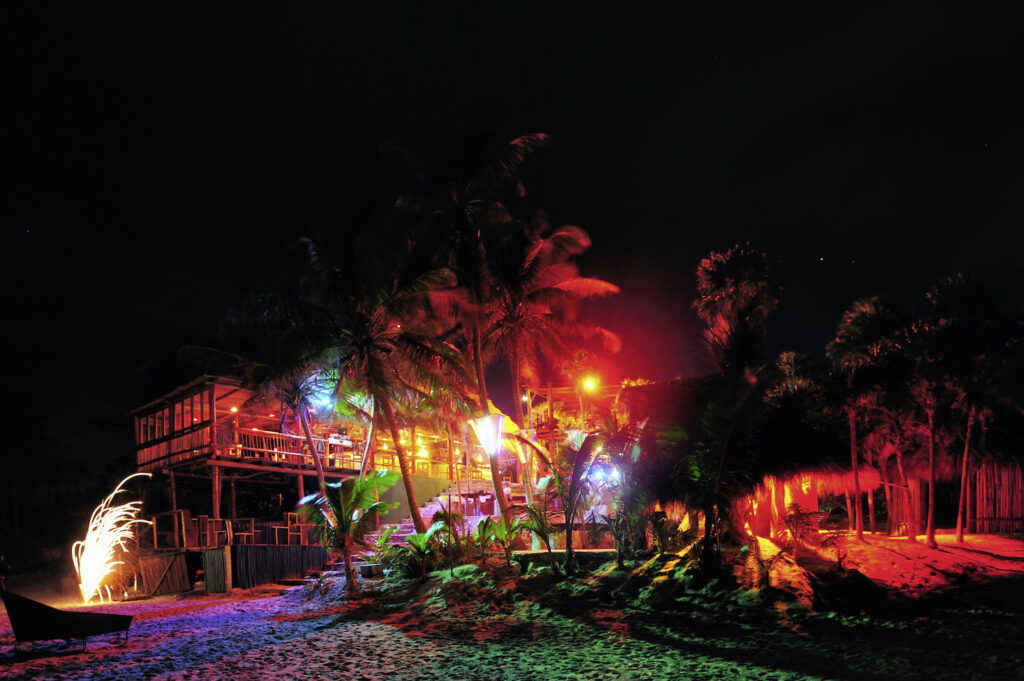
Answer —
255 565
165 572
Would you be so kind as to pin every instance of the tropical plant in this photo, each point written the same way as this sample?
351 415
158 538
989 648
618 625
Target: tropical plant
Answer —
420 554
340 515
537 521
505 535
378 551
569 475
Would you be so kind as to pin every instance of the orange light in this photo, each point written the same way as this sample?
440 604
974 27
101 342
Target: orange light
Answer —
234 410
589 384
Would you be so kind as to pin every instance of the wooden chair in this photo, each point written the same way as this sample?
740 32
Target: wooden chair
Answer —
245 530
294 528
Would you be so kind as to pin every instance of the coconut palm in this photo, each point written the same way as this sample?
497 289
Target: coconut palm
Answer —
734 297
969 329
534 291
276 344
383 337
339 514
866 331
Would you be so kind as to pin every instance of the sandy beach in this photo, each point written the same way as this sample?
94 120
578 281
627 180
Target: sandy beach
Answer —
489 626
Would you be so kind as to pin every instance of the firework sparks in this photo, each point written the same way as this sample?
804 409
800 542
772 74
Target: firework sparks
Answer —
110 527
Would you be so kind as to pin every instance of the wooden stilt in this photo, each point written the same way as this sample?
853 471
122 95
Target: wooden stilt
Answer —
215 477
174 491
302 493
234 499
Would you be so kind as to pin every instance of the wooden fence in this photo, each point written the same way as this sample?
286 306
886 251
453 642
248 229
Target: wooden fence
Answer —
999 499
255 565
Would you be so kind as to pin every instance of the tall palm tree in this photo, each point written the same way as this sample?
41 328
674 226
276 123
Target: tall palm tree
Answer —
735 296
866 331
969 328
469 216
535 291
383 337
276 345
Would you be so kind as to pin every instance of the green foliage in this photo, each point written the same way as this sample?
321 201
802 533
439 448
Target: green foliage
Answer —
537 521
420 555
379 551
340 515
505 536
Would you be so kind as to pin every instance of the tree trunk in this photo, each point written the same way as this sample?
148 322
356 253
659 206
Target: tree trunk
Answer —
963 479
403 463
908 497
930 529
485 409
887 490
350 573
570 556
304 420
517 389
857 517
369 438
871 511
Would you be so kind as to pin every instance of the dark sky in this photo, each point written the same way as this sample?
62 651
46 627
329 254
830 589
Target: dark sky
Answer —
160 160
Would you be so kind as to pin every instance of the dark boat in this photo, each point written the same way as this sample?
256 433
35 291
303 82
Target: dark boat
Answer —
35 621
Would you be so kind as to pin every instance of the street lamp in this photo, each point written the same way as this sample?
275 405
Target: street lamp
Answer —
589 384
489 431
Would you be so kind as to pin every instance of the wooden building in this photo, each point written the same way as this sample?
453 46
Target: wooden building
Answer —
215 430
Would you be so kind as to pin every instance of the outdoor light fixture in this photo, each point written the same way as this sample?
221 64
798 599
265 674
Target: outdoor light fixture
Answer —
489 430
589 384
234 410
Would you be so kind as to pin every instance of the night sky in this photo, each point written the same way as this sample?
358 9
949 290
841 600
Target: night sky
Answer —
160 162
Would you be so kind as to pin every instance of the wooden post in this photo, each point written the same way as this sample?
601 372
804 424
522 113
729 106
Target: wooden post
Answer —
227 569
234 499
215 470
301 492
174 491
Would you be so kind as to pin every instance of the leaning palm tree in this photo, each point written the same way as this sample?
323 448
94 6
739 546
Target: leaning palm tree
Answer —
866 331
339 514
383 337
535 289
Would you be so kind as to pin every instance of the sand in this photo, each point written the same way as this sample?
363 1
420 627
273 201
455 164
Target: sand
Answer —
537 629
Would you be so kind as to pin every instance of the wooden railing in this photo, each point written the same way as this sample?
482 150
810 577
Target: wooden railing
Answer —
177 447
283 450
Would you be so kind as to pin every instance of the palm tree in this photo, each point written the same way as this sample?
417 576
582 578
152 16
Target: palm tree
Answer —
276 346
535 288
969 329
865 332
469 217
734 297
569 475
339 514
383 337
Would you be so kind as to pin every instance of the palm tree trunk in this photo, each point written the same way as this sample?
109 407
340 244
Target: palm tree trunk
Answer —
304 420
403 463
517 395
857 517
963 500
908 497
350 573
963 479
369 439
485 409
930 529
